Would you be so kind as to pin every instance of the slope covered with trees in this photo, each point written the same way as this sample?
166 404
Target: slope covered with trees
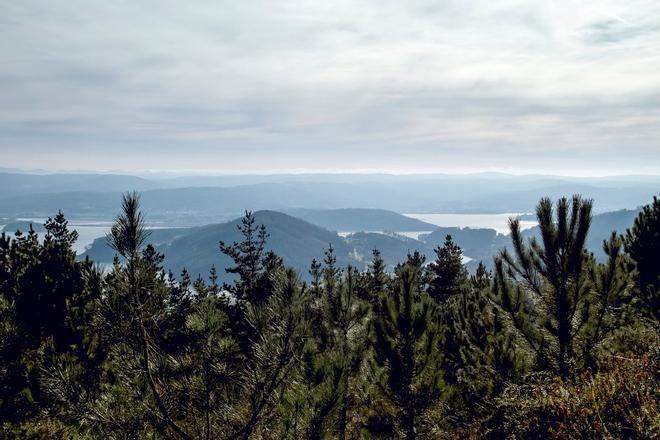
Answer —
552 343
298 242
361 220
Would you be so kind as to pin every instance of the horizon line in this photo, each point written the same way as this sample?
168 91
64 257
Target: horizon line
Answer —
303 171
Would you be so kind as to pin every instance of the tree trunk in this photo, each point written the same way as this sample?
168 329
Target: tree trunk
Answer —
409 422
564 329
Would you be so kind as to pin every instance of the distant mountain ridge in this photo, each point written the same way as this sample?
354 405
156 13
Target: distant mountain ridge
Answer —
224 197
20 184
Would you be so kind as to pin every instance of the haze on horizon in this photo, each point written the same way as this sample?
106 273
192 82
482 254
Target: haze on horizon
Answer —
424 86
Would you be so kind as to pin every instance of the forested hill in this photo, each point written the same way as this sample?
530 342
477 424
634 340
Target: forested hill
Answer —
601 228
298 241
360 220
295 240
23 226
484 244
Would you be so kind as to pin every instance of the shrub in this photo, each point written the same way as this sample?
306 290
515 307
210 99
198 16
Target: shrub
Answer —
620 400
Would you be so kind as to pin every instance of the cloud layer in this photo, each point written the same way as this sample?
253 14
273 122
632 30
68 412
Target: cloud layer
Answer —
400 86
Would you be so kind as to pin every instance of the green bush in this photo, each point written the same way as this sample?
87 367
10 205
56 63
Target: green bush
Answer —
620 400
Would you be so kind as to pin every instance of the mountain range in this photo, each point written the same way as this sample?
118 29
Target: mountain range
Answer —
200 200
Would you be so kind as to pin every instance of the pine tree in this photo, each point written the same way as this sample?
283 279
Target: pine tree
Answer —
316 394
344 315
610 293
415 261
57 230
212 365
47 301
136 304
316 273
406 342
447 275
482 277
544 289
331 273
377 277
643 245
213 279
249 264
318 391
185 282
478 356
280 326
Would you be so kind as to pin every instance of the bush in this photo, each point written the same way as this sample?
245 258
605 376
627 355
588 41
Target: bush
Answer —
620 400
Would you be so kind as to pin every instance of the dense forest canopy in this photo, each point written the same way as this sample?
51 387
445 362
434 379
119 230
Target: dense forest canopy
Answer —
553 342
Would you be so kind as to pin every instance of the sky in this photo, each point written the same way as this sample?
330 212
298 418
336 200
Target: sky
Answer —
555 86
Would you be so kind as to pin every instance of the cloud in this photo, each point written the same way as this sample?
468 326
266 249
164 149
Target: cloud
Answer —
369 84
614 31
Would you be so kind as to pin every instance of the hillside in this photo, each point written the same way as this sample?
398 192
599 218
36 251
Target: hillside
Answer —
101 252
484 244
22 226
298 242
478 244
361 219
393 248
602 226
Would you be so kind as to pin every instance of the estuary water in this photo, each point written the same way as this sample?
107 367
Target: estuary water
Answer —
499 222
88 231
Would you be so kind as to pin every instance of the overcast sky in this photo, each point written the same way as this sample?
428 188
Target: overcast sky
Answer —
569 87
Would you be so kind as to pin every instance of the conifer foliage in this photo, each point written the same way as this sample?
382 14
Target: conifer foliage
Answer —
407 351
447 274
548 307
252 264
643 245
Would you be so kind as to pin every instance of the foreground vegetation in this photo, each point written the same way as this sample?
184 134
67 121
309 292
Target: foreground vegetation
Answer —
552 344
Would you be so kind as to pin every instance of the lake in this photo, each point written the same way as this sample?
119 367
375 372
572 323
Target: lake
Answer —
499 222
409 234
